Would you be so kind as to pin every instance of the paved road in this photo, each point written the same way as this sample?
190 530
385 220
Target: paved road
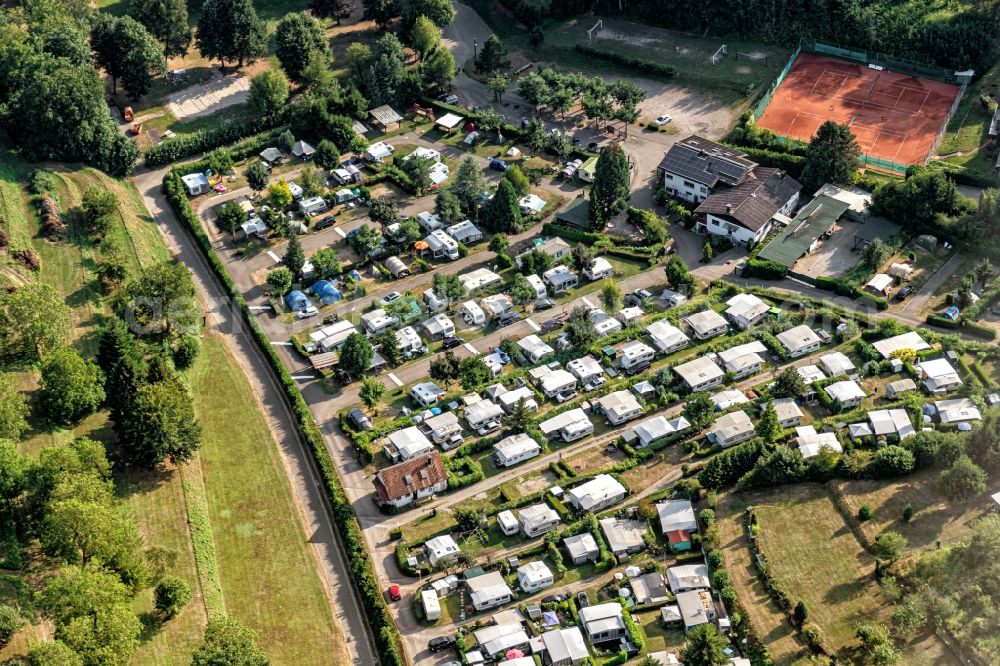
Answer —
307 489
919 300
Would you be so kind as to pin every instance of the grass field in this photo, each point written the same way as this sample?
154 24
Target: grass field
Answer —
967 133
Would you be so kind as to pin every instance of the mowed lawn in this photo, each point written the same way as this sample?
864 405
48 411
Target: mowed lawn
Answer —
815 557
269 578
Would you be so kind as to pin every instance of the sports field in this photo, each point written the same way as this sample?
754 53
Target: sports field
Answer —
894 116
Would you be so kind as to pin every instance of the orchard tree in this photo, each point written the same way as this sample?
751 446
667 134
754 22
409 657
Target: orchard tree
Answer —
279 195
469 184
385 212
167 20
257 176
99 206
497 84
371 392
832 156
445 368
11 622
71 386
161 298
425 36
356 355
517 179
53 653
34 320
326 263
160 424
499 243
473 373
299 41
127 52
890 546
279 281
388 346
228 643
230 30
611 182
268 94
13 409
171 596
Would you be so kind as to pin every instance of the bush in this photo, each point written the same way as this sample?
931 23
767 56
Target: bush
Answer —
637 64
11 622
201 141
186 351
171 595
764 269
865 512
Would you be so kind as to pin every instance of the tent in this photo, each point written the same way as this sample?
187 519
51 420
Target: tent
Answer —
550 618
303 150
296 300
326 292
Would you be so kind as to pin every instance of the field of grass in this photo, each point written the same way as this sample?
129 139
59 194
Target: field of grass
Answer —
967 133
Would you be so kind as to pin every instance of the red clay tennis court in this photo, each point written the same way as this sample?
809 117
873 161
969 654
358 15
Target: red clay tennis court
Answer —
894 116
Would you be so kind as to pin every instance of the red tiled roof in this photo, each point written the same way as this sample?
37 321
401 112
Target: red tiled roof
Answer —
410 476
678 536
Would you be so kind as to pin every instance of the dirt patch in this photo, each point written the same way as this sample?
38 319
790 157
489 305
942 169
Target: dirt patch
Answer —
203 99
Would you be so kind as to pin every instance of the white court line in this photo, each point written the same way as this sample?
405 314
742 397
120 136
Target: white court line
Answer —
532 324
276 258
340 231
303 376
278 343
468 345
395 379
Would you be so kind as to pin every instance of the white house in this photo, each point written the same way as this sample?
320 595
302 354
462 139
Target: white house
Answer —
799 341
556 382
515 449
667 337
442 427
604 324
481 278
495 305
560 279
811 442
788 412
429 221
465 232
508 399
624 536
439 326
900 386
433 301
911 340
635 355
411 481
426 393
688 577
891 421
472 314
480 413
377 322
333 336
696 608
407 340
619 407
496 639
700 373
554 247
534 349
957 411
603 623
597 494
694 167
745 310
538 519
441 550
599 269
581 548
378 151
565 647
744 360
629 315
938 376
810 374
441 245
406 444
312 206
706 324
730 429
585 368
747 212
677 515
849 393
836 364
508 523
654 429
570 426
537 284
727 398
431 605
489 591
534 576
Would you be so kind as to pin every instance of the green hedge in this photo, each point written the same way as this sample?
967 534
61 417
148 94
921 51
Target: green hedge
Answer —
941 322
791 164
637 64
976 329
383 628
185 145
571 233
765 269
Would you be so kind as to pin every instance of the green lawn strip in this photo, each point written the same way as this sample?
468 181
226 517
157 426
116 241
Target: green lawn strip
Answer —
12 210
202 538
267 573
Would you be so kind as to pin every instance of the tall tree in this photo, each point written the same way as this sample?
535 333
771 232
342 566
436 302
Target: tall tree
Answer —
517 179
502 214
521 290
160 424
788 384
33 320
832 156
678 276
875 253
380 11
230 30
299 41
127 52
335 9
268 94
295 257
356 355
448 288
963 480
768 427
257 176
71 386
13 409
448 207
611 295
469 184
492 57
441 12
497 83
167 20
581 329
371 392
228 643
425 36
160 299
439 68
611 183
705 645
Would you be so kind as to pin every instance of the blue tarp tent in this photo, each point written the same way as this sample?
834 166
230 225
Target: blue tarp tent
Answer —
296 300
326 292
354 275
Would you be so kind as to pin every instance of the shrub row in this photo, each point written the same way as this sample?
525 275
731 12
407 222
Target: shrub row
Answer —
941 322
186 145
844 288
791 164
637 64
765 269
383 628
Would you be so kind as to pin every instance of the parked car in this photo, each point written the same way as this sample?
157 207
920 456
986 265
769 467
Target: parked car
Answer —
553 599
662 120
440 643
358 418
452 342
594 384
564 396
487 428
552 325
904 292
502 355
309 311
582 599
498 165
448 98
326 222
951 313
390 297
543 304
394 593
508 318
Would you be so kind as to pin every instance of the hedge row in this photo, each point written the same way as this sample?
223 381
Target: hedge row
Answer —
843 288
791 164
383 629
765 269
186 145
637 64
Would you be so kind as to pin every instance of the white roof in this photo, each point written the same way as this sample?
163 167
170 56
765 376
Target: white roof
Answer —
636 349
596 491
473 309
534 346
535 282
699 371
336 328
439 323
747 306
557 379
939 369
560 421
687 576
888 421
731 425
728 398
380 149
193 180
558 275
463 229
533 572
960 409
665 335
482 412
581 544
441 546
496 304
531 203
659 427
911 340
537 514
438 173
810 442
619 403
565 645
506 519
429 220
836 363
410 442
628 315
584 367
427 389
798 338
810 374
879 282
439 239
516 445
448 120
600 265
378 318
677 515
743 355
487 587
424 152
508 399
407 337
845 390
787 408
602 617
495 631
705 321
